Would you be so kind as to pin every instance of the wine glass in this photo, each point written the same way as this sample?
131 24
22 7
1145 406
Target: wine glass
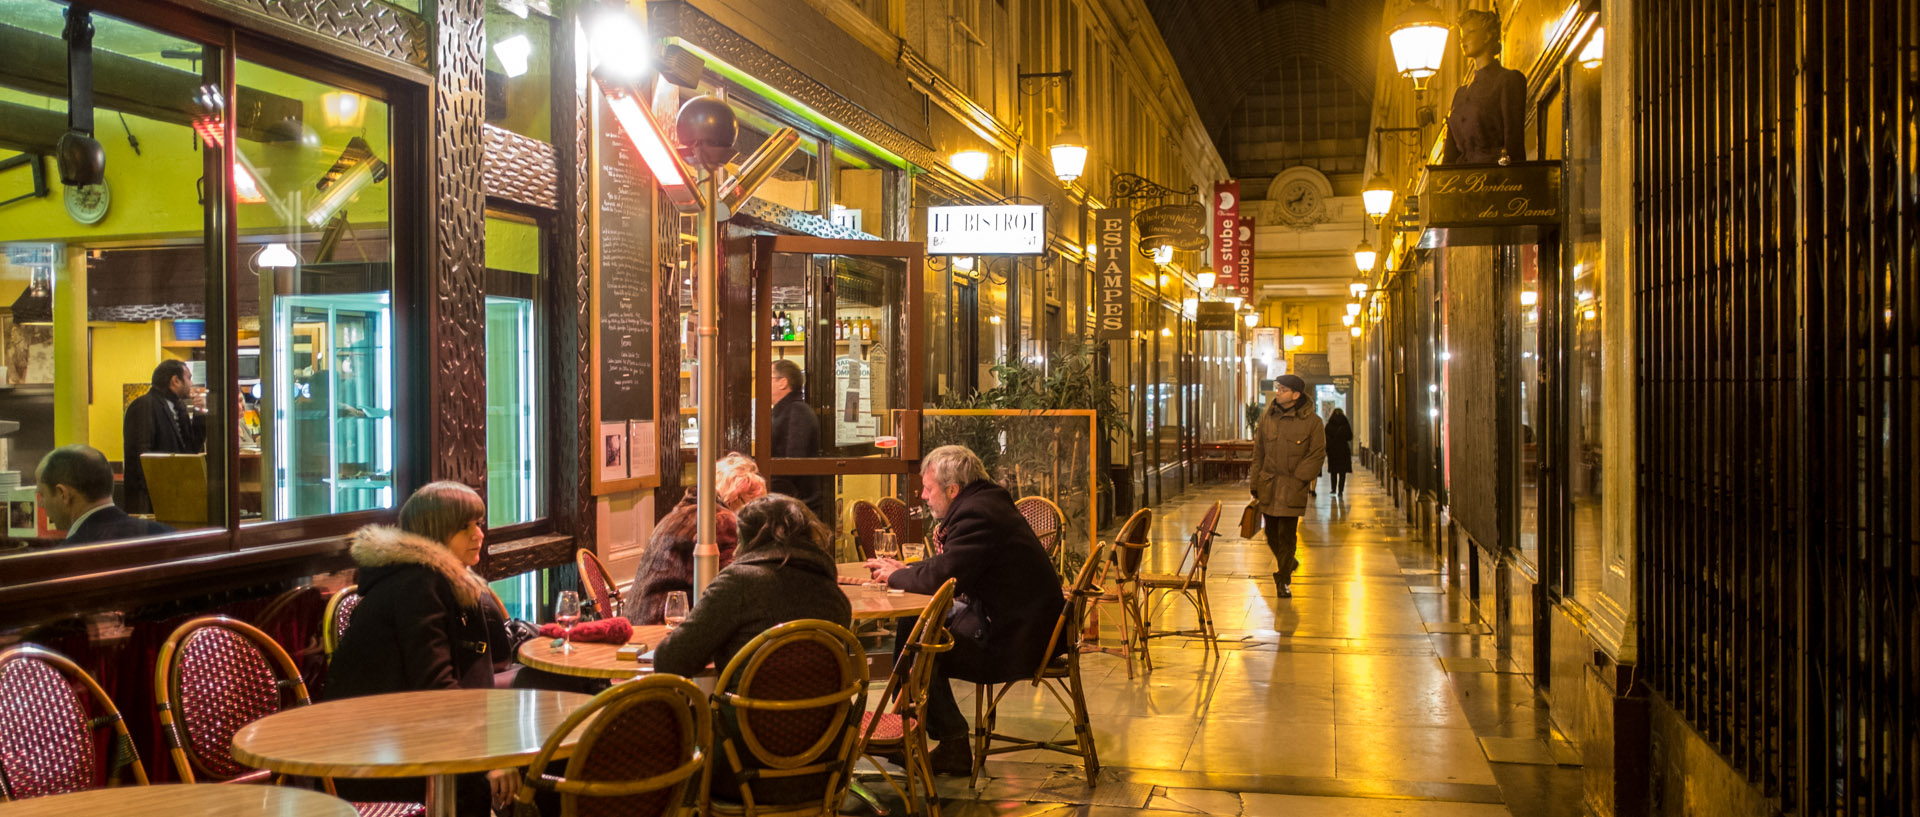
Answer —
567 612
885 546
676 609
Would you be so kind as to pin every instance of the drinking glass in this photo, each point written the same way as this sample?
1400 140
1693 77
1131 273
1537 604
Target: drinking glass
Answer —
885 546
676 608
567 612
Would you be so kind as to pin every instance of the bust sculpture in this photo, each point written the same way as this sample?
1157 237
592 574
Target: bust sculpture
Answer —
1488 121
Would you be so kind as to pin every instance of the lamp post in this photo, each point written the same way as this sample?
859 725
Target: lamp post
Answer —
706 127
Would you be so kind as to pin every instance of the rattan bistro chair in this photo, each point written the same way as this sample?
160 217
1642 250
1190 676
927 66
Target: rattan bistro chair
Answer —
1129 551
1060 677
898 723
1048 522
867 521
645 742
787 710
51 713
338 614
899 518
598 583
215 675
1190 583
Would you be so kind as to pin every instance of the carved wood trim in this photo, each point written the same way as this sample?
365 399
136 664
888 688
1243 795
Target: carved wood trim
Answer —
375 27
520 169
570 424
459 388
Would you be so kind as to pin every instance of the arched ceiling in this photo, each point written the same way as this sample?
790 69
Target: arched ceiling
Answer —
1229 50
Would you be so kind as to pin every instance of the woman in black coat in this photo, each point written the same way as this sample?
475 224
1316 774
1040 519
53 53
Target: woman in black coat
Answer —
425 621
1339 450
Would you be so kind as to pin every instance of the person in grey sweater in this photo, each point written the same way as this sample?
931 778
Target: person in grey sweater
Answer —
781 572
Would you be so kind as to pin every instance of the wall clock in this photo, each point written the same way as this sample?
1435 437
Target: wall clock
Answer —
1300 202
87 204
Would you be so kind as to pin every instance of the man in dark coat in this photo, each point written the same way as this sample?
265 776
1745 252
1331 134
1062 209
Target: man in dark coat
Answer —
1339 450
1289 447
160 422
1007 596
74 484
796 434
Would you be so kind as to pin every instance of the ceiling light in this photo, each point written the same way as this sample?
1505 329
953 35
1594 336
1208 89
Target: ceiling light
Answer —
972 164
1377 197
346 109
513 52
1364 256
1419 40
277 256
1069 155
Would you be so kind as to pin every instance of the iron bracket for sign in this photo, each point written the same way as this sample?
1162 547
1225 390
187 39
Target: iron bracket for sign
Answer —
1131 187
39 175
1054 79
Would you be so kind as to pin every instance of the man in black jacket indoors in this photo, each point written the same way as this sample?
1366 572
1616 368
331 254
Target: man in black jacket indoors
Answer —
161 422
74 484
1007 597
796 434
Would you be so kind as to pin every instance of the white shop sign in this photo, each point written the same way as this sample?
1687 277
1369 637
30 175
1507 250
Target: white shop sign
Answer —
1006 229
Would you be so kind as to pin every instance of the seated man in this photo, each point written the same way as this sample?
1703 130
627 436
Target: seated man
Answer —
1007 597
74 484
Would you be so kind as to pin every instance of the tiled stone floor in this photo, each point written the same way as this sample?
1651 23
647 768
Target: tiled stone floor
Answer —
1370 692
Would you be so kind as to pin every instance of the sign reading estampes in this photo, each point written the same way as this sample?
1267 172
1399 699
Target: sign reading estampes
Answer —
1004 229
1112 277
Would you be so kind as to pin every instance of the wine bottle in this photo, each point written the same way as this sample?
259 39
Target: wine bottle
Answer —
789 326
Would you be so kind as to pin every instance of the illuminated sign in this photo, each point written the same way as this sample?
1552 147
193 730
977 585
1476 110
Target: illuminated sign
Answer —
1006 229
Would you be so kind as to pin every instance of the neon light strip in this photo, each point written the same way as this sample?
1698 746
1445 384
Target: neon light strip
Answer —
795 106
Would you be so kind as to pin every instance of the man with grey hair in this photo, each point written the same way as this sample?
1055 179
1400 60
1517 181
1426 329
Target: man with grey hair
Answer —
1007 597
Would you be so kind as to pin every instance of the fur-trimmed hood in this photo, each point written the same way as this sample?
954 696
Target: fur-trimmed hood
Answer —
380 546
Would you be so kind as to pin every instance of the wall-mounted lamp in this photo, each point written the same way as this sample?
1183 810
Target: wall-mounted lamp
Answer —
972 164
1377 197
1419 40
277 256
1166 331
1205 279
1596 47
1189 306
1354 331
1295 341
1364 256
1069 154
1353 309
618 46
1252 319
1358 289
1163 254
1165 280
1349 318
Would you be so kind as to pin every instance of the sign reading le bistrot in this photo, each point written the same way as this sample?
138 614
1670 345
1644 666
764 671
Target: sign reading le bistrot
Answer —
1005 229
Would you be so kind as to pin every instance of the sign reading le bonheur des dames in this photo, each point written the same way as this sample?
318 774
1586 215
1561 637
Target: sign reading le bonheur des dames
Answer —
1001 229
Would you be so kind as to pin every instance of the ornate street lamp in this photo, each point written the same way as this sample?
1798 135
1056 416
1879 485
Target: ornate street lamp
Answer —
1419 39
1364 256
1358 289
1069 153
1205 279
1377 197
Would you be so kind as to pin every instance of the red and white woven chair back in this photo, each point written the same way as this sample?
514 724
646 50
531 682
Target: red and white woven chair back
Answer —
867 521
801 689
340 614
1045 519
898 519
47 743
599 586
215 675
650 736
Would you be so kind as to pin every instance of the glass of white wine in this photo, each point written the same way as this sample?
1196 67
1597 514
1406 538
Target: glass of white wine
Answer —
676 608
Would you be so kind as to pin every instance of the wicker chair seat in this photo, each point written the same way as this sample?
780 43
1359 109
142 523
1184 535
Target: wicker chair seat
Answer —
892 727
390 809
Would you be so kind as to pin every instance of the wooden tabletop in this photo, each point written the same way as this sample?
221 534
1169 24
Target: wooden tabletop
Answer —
407 734
600 660
202 800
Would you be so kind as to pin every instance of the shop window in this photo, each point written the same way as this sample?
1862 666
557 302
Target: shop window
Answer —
104 289
516 255
860 195
1585 308
519 58
1530 434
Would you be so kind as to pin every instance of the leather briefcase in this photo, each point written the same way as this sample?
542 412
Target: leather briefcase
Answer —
1250 520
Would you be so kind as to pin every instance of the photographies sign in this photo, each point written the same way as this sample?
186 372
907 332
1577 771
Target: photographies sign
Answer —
1180 226
1112 319
1001 229
1226 233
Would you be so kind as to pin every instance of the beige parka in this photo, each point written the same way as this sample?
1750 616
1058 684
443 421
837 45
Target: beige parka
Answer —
1289 448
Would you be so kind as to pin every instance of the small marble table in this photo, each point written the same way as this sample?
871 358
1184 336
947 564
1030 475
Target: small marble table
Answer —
202 800
437 734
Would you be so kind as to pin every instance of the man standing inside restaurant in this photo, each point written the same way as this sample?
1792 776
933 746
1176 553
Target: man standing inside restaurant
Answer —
1289 446
162 421
1007 597
796 434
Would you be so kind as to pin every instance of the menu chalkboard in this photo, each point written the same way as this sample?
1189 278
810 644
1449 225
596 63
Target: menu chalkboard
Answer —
625 278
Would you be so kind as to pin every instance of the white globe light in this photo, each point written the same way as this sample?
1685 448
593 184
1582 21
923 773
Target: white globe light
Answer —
1252 319
1069 156
1353 308
1419 39
1205 279
1377 197
1364 257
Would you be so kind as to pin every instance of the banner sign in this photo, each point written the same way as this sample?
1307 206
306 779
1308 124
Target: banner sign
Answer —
1113 279
1226 234
1245 261
1180 226
1213 315
1008 229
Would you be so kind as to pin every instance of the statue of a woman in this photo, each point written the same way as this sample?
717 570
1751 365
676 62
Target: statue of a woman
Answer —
1488 121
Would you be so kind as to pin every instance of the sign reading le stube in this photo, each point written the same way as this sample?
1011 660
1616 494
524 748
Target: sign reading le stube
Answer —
1005 229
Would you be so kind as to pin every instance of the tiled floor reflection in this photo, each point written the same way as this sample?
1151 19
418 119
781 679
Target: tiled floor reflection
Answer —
1371 692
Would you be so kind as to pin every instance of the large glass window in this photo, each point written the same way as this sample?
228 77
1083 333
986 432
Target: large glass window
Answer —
515 265
1584 309
104 288
312 180
1531 433
519 69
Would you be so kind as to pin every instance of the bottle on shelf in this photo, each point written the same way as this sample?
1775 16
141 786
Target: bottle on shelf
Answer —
789 326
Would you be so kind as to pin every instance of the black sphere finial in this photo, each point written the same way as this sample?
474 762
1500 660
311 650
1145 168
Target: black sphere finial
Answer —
706 126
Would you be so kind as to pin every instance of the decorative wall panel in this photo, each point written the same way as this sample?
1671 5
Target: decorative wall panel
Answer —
520 169
459 392
572 434
376 27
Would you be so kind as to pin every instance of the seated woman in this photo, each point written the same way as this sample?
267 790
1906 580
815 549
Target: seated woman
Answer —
780 573
667 564
425 621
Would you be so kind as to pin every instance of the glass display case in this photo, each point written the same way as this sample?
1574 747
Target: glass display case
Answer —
333 412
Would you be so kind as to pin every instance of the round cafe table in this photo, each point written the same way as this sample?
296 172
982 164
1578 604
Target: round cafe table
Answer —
435 734
202 800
